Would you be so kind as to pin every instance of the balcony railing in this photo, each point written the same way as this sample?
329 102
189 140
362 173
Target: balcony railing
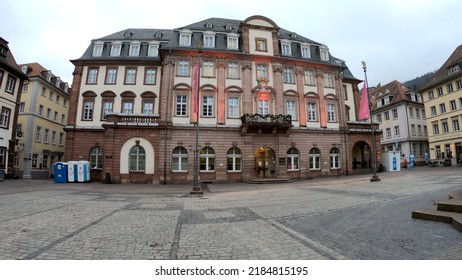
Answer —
133 119
266 123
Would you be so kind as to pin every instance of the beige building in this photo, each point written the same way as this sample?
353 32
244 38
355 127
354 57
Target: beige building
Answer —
443 107
43 111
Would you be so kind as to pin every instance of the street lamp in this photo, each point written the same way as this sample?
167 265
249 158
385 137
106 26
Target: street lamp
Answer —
374 178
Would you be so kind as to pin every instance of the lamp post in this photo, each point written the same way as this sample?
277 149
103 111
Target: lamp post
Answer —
374 178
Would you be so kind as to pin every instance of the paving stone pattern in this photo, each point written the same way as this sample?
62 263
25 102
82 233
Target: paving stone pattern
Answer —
324 218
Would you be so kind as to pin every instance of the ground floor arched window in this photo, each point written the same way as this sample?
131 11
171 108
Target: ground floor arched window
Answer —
315 159
207 159
96 157
137 159
180 159
293 159
234 159
334 155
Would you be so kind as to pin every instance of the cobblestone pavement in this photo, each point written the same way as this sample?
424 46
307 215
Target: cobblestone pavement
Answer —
324 218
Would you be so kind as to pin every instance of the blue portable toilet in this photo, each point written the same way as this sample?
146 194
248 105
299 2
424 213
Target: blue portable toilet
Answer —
72 171
83 171
60 171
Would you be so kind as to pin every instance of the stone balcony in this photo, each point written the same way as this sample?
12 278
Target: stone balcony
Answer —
266 124
132 119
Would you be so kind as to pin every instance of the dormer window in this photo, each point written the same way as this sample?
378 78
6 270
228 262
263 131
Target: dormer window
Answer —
260 44
453 69
48 77
57 82
98 49
153 49
233 41
229 27
185 38
306 51
209 25
3 51
286 48
116 48
134 49
209 40
324 54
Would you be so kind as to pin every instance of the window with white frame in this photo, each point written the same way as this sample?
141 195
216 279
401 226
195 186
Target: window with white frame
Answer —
10 84
207 159
209 40
442 108
262 71
137 159
111 76
334 155
431 95
288 75
315 159
115 49
331 116
61 138
234 159
450 88
107 108
148 107
419 130
233 107
180 159
445 126
436 129
306 51
96 157
98 49
309 77
433 110
53 137
395 113
134 49
38 134
232 42
293 156
34 160
260 44
92 75
150 76
453 105
130 76
207 106
183 67
388 133
413 129
127 107
5 117
387 115
286 48
417 113
291 110
455 125
439 91
2 157
233 70
328 80
312 112
153 49
181 105
324 54
396 130
87 111
185 38
263 107
208 69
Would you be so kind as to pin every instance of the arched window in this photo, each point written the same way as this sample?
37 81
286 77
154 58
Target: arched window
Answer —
334 154
180 159
234 159
207 159
293 159
96 157
315 159
137 159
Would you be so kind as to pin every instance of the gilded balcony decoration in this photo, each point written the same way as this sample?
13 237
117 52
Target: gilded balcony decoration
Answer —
258 123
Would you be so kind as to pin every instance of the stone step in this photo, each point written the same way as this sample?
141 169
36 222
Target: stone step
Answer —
269 181
433 214
451 205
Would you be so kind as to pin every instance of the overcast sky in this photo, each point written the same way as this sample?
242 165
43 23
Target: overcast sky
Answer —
398 39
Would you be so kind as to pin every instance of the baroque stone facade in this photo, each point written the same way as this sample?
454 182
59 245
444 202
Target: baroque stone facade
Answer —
228 100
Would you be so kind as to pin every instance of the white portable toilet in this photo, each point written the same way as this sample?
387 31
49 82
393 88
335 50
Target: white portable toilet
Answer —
72 171
391 160
83 171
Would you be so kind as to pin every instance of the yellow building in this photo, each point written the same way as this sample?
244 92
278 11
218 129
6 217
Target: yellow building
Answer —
443 107
42 117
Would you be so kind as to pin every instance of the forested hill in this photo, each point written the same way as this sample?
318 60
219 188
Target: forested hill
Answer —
417 83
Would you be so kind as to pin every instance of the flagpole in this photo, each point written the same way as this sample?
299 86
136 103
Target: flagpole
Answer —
196 188
374 178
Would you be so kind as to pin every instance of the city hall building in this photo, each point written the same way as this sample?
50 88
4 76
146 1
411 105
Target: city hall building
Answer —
269 103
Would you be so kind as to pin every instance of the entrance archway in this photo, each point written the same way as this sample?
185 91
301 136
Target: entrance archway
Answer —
362 156
264 162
